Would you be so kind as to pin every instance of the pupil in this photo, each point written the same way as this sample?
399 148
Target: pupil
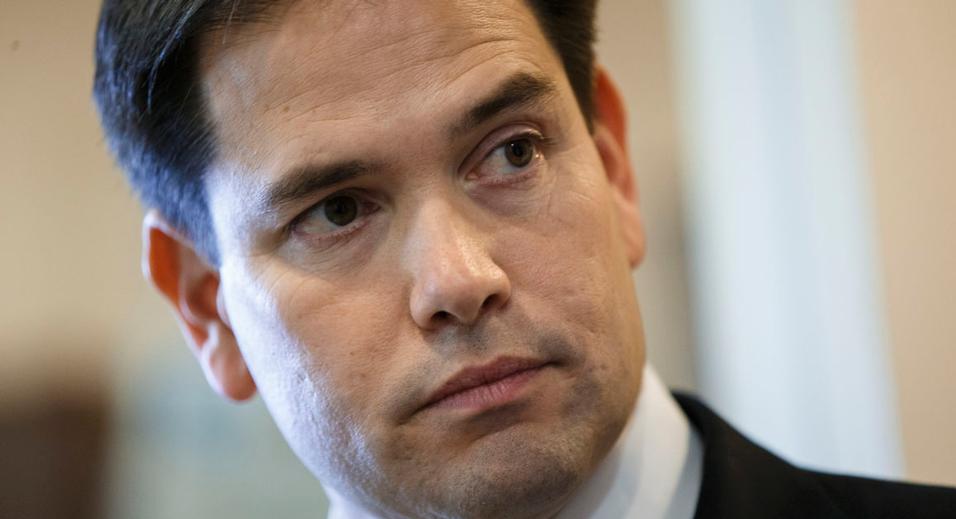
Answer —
341 210
519 152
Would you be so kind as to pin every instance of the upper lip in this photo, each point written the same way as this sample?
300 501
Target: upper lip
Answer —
474 376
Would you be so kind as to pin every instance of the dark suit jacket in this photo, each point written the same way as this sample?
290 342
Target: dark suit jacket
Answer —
743 480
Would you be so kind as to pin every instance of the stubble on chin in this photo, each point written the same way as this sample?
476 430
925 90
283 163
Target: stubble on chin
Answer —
527 470
516 480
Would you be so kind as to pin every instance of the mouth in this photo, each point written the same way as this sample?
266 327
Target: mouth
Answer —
482 387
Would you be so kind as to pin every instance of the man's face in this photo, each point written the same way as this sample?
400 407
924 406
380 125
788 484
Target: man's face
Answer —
408 202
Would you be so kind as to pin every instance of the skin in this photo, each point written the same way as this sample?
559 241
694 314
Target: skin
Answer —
456 258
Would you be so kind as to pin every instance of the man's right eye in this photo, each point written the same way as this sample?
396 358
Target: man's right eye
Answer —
334 217
341 210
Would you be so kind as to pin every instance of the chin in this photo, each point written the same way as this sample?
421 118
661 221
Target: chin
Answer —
513 482
518 472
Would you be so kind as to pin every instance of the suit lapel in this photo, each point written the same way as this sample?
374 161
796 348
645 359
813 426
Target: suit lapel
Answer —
742 479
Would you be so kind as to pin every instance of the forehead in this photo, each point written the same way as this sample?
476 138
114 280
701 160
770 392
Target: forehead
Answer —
332 69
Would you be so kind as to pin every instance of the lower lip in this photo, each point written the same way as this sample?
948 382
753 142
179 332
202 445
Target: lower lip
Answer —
486 396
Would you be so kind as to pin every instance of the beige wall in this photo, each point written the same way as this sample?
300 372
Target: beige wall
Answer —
634 44
69 243
907 68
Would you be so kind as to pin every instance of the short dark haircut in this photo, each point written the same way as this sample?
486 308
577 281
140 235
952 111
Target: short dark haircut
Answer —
146 87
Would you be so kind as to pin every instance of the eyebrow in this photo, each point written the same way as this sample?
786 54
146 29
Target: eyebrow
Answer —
519 90
303 181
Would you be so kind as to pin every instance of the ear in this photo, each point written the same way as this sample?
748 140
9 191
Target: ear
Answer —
172 265
610 136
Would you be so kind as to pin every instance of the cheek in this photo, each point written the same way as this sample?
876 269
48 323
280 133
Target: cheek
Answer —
575 274
568 252
342 335
320 353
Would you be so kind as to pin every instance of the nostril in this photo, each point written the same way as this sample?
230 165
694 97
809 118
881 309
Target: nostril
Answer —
442 316
489 302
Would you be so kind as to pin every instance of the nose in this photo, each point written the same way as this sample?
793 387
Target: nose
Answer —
455 279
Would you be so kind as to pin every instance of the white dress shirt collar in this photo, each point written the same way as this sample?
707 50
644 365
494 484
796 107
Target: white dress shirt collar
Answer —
653 471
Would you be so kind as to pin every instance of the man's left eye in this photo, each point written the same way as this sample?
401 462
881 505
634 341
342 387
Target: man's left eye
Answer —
513 157
519 152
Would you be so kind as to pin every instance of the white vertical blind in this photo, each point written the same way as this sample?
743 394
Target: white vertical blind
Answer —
791 346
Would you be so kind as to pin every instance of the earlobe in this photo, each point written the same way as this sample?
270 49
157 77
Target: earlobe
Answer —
192 287
610 137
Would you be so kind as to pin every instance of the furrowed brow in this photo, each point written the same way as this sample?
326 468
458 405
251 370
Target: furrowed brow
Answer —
518 91
305 181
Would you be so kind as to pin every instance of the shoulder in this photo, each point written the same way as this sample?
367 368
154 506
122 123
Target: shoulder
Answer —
864 497
742 479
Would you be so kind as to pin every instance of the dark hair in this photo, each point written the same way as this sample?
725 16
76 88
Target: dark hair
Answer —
146 89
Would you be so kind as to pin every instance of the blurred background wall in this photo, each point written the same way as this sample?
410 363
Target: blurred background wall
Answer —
906 58
94 375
